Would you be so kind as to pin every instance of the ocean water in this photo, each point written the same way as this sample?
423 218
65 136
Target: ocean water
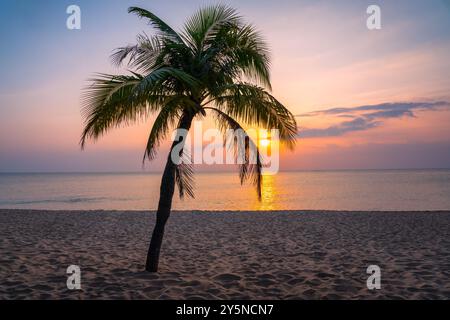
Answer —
303 190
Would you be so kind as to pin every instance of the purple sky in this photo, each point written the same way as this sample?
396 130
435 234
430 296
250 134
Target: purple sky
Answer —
365 99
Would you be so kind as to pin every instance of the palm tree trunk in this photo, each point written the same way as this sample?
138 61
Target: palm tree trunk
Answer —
165 200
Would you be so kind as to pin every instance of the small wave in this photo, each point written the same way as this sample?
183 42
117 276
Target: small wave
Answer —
64 200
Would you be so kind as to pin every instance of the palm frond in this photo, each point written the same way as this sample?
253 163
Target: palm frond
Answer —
203 26
113 100
247 52
157 23
176 79
142 56
184 176
239 51
254 106
108 102
168 116
251 167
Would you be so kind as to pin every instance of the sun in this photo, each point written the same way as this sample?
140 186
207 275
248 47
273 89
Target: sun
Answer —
264 143
264 139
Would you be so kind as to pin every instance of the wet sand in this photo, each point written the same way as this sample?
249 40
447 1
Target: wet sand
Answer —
226 255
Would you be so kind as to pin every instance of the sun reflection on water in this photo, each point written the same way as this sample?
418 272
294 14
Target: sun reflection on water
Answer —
268 194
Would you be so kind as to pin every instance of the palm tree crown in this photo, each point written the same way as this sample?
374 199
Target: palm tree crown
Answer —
216 63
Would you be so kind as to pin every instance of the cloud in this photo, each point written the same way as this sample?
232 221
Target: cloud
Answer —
358 124
367 116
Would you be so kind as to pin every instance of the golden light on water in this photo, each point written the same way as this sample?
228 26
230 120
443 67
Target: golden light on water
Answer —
268 194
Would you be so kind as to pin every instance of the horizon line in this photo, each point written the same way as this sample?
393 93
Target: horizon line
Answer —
220 171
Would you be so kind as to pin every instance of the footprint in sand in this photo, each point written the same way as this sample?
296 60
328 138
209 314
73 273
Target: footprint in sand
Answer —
227 280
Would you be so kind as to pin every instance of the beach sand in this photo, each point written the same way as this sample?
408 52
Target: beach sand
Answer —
225 255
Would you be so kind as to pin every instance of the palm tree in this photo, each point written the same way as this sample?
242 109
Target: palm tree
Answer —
216 64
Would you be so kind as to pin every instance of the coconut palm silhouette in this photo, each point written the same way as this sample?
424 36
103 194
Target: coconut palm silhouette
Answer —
216 65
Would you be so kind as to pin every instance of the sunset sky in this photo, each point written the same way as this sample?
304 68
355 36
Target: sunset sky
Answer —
364 99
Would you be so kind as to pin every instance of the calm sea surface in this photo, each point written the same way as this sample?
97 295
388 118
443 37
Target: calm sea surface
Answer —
321 190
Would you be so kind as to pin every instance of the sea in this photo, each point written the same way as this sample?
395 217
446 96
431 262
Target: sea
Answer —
349 190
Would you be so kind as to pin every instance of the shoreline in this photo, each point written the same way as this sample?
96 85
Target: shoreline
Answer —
280 211
226 254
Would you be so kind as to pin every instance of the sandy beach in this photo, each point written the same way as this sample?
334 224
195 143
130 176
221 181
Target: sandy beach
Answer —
226 255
